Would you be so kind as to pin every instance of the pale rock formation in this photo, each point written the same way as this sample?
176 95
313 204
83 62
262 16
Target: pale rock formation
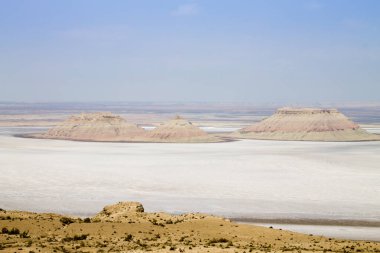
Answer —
103 126
307 124
180 130
110 127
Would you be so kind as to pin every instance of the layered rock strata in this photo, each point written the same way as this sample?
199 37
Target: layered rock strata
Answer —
307 124
103 126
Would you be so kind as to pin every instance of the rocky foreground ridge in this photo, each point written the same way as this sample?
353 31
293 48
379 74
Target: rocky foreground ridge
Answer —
306 124
125 227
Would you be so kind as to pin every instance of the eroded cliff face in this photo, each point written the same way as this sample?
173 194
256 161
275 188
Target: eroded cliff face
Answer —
307 124
102 126
303 120
110 127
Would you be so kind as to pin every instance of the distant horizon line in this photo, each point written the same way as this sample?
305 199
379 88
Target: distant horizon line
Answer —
324 103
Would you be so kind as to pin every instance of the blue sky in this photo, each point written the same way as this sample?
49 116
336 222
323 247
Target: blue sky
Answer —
284 51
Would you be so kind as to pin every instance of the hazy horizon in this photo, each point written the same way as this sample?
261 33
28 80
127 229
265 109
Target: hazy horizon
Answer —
269 104
261 52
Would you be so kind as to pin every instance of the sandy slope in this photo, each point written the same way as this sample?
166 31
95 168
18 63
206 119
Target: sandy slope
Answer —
125 227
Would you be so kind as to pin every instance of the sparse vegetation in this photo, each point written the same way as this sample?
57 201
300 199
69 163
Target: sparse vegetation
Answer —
66 220
192 235
28 243
154 222
13 231
75 238
128 238
25 234
219 240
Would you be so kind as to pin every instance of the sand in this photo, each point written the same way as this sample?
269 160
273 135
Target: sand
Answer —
125 227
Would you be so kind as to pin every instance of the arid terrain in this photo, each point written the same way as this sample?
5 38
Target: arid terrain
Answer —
125 227
310 187
190 126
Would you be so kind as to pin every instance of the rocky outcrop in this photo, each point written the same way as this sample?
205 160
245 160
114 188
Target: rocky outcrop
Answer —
120 211
103 126
134 212
311 124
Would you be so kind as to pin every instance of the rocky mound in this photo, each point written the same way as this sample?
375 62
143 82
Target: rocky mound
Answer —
134 212
119 211
310 124
180 130
103 126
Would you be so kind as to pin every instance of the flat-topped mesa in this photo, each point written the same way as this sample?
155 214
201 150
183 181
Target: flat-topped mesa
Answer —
307 124
96 117
303 120
290 110
180 130
100 126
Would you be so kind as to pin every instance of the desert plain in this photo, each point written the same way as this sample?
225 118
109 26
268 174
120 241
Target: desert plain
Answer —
328 189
